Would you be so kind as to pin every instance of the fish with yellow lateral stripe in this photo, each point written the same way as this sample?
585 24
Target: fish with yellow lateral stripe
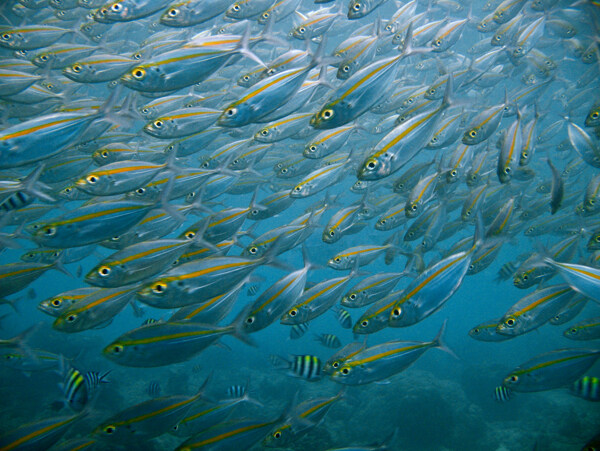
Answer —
147 419
165 343
38 435
535 309
94 310
552 369
383 361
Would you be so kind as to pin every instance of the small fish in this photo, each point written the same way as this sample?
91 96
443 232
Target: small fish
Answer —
587 387
329 340
502 394
343 317
506 271
584 330
153 389
307 367
298 330
252 290
236 391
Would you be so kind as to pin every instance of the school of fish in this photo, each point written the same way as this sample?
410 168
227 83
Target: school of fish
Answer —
173 156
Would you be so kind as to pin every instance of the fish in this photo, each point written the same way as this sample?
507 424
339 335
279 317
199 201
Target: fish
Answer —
298 330
502 394
588 387
585 330
165 343
382 361
328 340
153 389
306 367
550 370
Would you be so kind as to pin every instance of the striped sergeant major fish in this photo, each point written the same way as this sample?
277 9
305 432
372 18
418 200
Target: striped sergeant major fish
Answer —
502 394
153 389
298 330
587 387
303 366
236 391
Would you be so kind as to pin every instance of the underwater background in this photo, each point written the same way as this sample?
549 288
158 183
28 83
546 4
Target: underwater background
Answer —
544 100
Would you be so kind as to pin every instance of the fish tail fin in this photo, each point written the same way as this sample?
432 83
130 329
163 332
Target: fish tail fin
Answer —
439 342
32 185
243 46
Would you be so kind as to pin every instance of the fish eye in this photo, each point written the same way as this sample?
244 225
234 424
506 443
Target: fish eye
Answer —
332 233
414 207
525 277
297 188
173 12
476 330
116 7
438 42
56 302
49 231
345 370
453 173
250 320
76 68
337 259
364 323
104 271
159 287
264 132
44 57
327 114
312 149
397 311
346 68
595 115
158 124
468 212
371 164
72 317
189 235
140 190
524 155
497 38
246 78
510 322
116 349
301 30
514 378
335 364
110 428
91 179
265 15
5 36
356 7
473 133
253 250
235 7
573 331
277 434
388 27
293 312
471 267
138 73
231 112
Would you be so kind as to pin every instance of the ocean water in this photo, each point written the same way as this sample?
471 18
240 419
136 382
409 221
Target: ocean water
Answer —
441 401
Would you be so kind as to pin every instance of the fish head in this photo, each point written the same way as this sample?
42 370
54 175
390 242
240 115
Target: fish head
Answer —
235 115
177 15
296 315
593 117
331 235
471 137
78 72
161 127
157 292
340 262
119 11
508 325
354 299
358 9
330 116
280 436
68 321
102 275
93 183
254 251
301 190
573 333
413 209
144 78
375 167
346 69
